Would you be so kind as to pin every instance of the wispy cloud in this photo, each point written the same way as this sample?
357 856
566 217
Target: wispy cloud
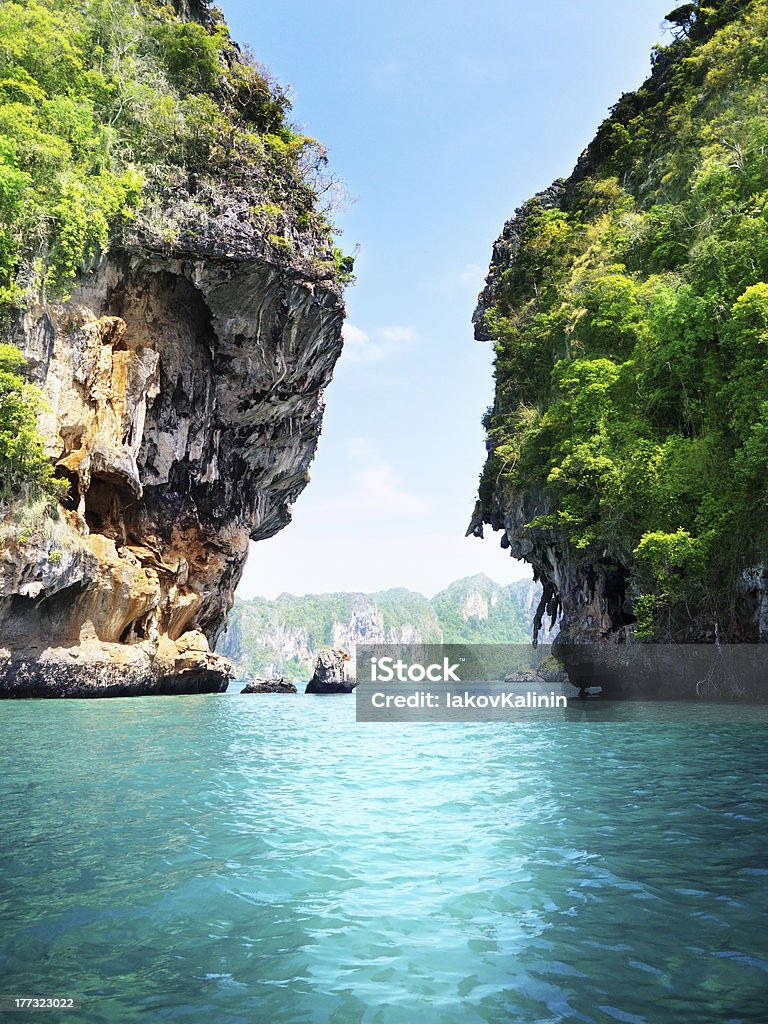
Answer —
376 483
469 279
472 275
360 448
374 489
379 488
361 347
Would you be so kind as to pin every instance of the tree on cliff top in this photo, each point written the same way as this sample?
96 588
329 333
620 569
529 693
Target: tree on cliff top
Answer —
683 17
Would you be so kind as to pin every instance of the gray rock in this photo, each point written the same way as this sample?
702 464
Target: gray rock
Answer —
185 402
524 676
332 673
258 685
90 668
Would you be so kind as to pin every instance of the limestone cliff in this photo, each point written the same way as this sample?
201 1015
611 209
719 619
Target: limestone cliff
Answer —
184 379
585 596
626 460
284 636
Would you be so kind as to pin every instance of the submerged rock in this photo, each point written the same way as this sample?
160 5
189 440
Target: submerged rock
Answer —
259 685
332 673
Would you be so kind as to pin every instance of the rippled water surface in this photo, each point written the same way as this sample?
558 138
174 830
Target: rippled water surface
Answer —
266 859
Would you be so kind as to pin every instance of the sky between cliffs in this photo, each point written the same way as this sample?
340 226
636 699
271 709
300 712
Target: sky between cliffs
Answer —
441 118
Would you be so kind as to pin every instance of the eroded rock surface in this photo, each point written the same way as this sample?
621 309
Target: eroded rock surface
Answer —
332 673
186 400
259 685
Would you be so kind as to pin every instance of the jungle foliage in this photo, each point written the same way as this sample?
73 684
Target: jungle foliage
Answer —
631 331
23 463
104 104
284 635
102 101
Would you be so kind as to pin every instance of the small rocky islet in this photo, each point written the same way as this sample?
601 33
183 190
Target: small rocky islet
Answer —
258 685
333 674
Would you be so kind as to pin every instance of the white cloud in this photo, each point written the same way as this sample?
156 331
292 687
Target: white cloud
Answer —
380 489
376 488
360 448
358 346
373 490
396 335
361 347
473 274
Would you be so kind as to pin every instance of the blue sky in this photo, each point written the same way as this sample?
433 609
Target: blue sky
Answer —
441 118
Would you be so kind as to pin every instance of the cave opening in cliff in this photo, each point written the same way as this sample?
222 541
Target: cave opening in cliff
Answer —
105 508
615 583
71 497
165 312
138 629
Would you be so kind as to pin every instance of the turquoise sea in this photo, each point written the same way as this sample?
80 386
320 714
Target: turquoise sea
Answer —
228 859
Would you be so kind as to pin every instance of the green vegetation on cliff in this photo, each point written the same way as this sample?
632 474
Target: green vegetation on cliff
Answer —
111 108
631 331
285 635
22 458
103 103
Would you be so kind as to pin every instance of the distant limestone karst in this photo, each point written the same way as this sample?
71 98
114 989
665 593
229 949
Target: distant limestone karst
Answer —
282 637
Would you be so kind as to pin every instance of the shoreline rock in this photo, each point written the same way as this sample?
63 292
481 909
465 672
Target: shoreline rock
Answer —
332 673
94 669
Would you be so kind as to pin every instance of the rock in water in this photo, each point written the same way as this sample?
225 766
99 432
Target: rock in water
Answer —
259 685
332 673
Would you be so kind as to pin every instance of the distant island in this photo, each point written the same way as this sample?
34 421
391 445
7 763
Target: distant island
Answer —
282 637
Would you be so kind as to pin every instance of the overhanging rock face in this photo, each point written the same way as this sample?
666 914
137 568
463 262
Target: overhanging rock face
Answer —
186 401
